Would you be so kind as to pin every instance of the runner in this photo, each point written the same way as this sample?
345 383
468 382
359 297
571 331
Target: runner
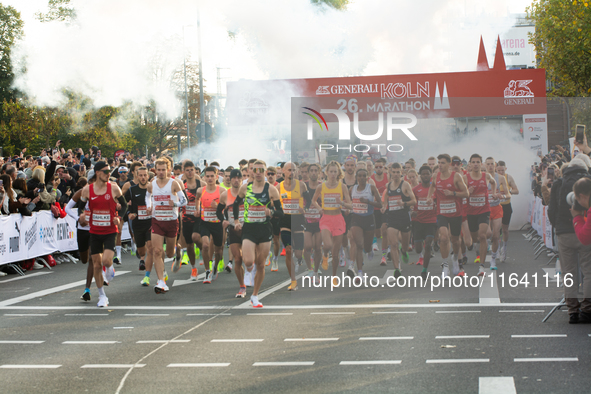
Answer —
449 188
424 225
397 199
381 180
103 220
334 195
141 220
274 255
210 228
349 180
82 233
478 209
432 162
466 236
496 210
226 202
165 225
312 236
261 202
292 223
303 172
121 181
191 215
507 208
365 197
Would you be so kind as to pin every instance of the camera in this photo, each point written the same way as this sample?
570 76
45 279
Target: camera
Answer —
572 201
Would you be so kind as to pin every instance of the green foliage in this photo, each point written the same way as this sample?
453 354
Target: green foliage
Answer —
11 29
59 10
563 44
336 4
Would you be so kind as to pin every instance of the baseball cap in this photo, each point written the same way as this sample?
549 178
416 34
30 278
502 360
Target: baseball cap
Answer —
456 159
123 169
100 165
350 157
235 173
77 167
90 174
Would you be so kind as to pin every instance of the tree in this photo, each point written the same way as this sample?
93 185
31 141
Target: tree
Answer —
562 40
11 29
336 4
59 10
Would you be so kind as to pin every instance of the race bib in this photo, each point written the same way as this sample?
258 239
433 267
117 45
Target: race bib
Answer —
312 215
101 218
330 200
256 214
448 206
291 206
240 215
142 213
359 207
209 214
163 212
477 200
191 210
423 206
394 203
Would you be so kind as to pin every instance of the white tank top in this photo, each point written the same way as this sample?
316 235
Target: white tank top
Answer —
161 208
359 208
87 212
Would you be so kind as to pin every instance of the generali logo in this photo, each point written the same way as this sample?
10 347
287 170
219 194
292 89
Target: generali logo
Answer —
518 93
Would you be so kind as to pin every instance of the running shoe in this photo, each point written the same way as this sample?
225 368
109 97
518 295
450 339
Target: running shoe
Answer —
268 262
254 301
228 268
296 267
241 293
503 254
197 252
436 246
85 296
342 260
282 252
133 248
383 262
397 273
185 260
293 286
370 256
214 273
142 265
351 272
220 266
324 263
193 275
103 301
105 277
201 262
558 268
207 278
420 262
493 264
161 287
481 270
404 257
145 281
488 248
176 265
275 266
116 260
445 271
165 276
335 282
477 260
110 273
424 275
455 268
464 260
471 247
374 247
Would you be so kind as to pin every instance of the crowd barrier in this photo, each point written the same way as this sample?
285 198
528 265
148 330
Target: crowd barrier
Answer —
538 218
27 237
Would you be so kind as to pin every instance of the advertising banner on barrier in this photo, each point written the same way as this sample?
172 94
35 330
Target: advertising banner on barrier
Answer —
547 230
11 248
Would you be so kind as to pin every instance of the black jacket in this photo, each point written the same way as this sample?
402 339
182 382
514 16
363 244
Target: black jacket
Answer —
558 209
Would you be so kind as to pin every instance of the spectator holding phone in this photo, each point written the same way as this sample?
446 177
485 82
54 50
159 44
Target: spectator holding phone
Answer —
10 201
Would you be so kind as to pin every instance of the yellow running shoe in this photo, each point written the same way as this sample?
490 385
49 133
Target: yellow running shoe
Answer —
197 252
477 260
185 260
221 265
293 286
325 263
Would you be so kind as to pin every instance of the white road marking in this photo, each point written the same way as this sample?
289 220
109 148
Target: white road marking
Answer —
457 360
383 338
198 365
542 359
457 311
375 362
89 342
165 341
86 314
25 314
523 310
21 342
30 366
332 313
52 290
383 313
540 336
146 314
113 365
122 328
270 291
209 314
309 339
462 336
180 282
488 292
269 314
496 385
384 279
236 340
26 276
283 364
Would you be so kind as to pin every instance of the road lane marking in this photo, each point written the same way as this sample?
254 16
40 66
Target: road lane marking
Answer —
540 336
383 313
496 385
112 365
384 338
270 291
30 366
283 364
198 365
165 341
375 362
457 360
332 313
26 276
544 359
52 290
86 314
488 292
209 314
457 311
89 342
21 342
269 314
309 339
236 340
146 314
25 314
122 328
462 336
523 310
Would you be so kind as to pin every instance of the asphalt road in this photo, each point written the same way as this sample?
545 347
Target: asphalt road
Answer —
199 338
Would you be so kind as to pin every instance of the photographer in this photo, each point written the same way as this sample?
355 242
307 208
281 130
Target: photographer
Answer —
548 176
571 250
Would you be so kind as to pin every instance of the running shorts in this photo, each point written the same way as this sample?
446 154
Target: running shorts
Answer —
190 227
257 233
165 228
454 223
275 224
496 212
213 230
292 239
83 239
313 227
333 223
379 217
295 223
142 230
507 212
399 221
101 242
474 221
422 231
366 223
234 237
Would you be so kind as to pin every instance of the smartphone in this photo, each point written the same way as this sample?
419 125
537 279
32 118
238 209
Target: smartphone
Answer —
551 173
580 133
1 182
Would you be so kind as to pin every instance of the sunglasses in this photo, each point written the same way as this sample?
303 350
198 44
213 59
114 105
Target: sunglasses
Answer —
270 173
258 170
106 171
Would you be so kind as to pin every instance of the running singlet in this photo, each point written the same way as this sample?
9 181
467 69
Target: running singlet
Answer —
329 197
493 201
425 212
229 202
191 212
138 200
255 204
103 210
380 185
291 201
362 208
478 200
87 213
396 199
505 200
447 205
162 210
312 215
208 213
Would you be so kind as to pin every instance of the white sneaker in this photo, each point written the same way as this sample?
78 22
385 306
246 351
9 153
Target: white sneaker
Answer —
503 254
481 271
445 272
558 268
249 278
374 247
105 278
455 267
110 273
2 273
254 301
493 264
37 266
102 302
161 287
